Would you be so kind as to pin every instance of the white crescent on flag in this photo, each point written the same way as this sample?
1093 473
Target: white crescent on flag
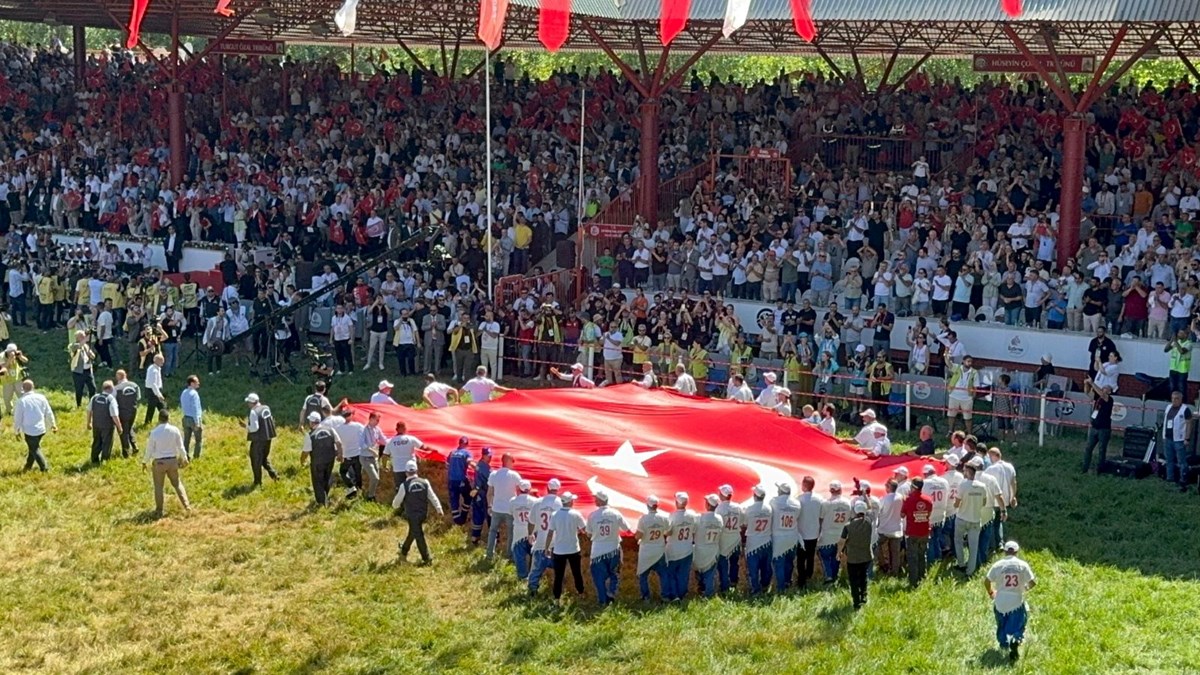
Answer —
736 13
346 17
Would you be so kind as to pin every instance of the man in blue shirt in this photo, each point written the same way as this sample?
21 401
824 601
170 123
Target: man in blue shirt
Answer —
193 412
479 490
457 464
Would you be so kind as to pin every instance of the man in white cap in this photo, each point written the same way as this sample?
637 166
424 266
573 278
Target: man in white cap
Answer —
739 391
972 501
1007 582
576 377
260 429
758 542
522 516
903 486
481 387
543 511
502 488
865 438
413 499
880 445
684 382
785 536
953 478
709 527
562 544
681 541
322 448
835 513
733 516
769 396
651 535
938 491
604 527
810 528
384 395
854 548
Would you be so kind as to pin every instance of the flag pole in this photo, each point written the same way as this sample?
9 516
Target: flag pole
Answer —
487 103
582 127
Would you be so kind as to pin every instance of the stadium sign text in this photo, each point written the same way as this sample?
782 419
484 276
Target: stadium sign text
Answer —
244 47
1018 63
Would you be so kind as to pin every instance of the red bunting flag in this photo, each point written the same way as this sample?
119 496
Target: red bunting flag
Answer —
135 22
491 22
675 14
223 8
554 23
802 16
1011 7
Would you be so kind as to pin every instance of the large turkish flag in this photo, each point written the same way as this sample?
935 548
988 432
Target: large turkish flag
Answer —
632 442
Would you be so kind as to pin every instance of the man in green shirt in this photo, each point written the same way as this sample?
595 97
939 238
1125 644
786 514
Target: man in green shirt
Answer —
1180 351
854 549
606 264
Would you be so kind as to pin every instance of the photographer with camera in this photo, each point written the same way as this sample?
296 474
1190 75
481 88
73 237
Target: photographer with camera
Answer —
82 358
216 334
12 373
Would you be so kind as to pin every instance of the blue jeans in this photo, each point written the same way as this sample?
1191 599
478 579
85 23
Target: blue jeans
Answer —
541 563
787 292
1010 627
520 555
758 569
784 566
727 569
947 543
678 575
830 561
1175 455
851 303
935 543
659 568
984 551
707 581
500 521
1012 317
604 576
170 357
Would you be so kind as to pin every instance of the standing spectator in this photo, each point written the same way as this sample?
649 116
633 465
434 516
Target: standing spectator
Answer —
562 544
369 446
1179 349
918 514
406 339
103 420
1177 431
502 488
216 334
890 530
341 327
164 448
1007 582
604 527
377 330
32 417
82 358
413 498
1100 430
155 399
193 417
854 548
260 429
960 386
1158 311
973 498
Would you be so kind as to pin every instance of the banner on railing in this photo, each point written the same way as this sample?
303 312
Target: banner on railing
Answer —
1019 63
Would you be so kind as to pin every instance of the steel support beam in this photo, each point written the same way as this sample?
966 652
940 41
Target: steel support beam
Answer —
79 54
1063 93
1074 140
612 55
1091 95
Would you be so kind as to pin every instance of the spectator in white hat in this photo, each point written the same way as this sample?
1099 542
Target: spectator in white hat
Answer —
1007 583
576 377
865 438
771 392
384 395
651 536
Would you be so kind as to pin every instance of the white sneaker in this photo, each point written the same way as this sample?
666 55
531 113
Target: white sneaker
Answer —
366 367
381 366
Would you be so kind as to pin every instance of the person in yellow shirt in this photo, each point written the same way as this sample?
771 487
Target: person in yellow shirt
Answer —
698 363
82 292
11 375
189 299
640 345
522 238
45 295
739 355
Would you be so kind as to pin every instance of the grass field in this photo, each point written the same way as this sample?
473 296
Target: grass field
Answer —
256 581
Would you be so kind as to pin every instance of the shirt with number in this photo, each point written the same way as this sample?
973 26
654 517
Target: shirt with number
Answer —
709 527
758 526
543 511
652 544
785 524
604 529
733 518
566 524
1010 577
682 536
954 479
835 513
521 508
937 489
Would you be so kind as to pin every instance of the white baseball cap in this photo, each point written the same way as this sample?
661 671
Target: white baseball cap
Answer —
577 366
1048 357
951 460
1011 547
902 470
553 484
252 398
524 486
314 417
600 497
712 500
567 497
652 501
860 507
867 413
835 486
411 466
928 470
784 488
976 463
726 490
862 484
860 349
759 491
681 497
384 384
11 348
769 377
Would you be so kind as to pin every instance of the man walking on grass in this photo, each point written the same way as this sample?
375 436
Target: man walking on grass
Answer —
165 455
1007 582
413 499
33 417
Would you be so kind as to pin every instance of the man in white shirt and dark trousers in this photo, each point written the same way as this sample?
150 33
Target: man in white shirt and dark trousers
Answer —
413 498
32 417
502 487
341 327
155 400
604 527
164 450
1007 582
562 544
260 429
321 448
103 420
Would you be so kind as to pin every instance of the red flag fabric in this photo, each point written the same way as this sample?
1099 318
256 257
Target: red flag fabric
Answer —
673 18
491 22
554 23
136 14
802 17
632 442
1011 7
222 8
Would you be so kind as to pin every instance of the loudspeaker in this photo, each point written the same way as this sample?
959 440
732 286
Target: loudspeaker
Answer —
564 254
1137 454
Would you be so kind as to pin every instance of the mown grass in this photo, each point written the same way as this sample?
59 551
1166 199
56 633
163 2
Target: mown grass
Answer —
256 581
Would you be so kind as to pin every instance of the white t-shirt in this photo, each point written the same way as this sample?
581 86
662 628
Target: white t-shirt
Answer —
891 522
682 537
1010 577
436 391
941 287
743 393
380 398
503 483
810 515
480 388
401 449
1005 474
566 524
343 326
612 345
685 384
489 342
604 527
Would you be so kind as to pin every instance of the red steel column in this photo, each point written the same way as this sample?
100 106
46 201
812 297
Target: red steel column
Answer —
79 47
1074 141
648 164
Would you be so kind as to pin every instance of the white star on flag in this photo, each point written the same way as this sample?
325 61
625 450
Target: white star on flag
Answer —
627 460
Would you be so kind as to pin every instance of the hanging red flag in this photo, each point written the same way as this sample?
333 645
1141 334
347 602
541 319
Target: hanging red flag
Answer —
491 22
554 23
802 17
1011 7
135 22
223 8
675 14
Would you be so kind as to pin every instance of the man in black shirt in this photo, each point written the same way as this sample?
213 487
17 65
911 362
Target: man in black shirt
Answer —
1098 350
1100 430
1094 299
791 319
883 322
807 319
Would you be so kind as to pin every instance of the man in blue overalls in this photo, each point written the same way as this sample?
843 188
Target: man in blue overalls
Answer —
479 490
457 465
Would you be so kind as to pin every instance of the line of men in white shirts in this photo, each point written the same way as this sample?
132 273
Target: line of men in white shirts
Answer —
773 535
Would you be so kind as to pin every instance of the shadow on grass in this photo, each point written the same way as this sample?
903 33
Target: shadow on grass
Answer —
81 469
993 659
239 491
146 517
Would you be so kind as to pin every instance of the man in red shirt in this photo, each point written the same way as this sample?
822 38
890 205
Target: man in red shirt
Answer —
916 510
